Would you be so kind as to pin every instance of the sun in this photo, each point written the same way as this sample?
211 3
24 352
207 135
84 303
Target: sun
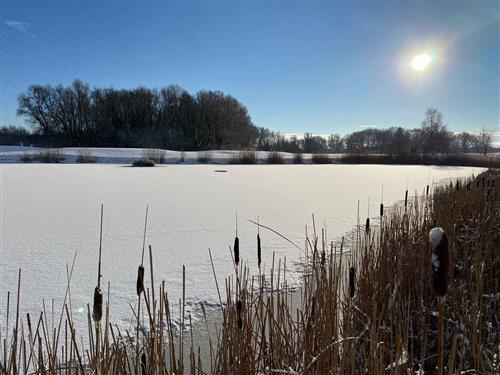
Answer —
421 62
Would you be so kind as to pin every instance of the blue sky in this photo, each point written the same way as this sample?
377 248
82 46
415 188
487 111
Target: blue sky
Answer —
322 67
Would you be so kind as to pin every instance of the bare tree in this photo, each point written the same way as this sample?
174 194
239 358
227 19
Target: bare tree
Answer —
484 140
466 141
435 135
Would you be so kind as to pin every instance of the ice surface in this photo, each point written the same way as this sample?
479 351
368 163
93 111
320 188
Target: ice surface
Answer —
50 211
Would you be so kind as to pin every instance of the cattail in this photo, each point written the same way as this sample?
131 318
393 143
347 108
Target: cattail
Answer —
440 261
367 225
98 298
381 209
140 272
236 250
427 190
236 244
352 279
97 307
140 280
259 252
406 197
143 363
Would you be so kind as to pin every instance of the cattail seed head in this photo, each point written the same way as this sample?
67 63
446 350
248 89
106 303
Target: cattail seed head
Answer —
97 307
406 198
440 261
236 250
427 190
381 209
352 280
239 306
140 280
367 226
143 364
259 251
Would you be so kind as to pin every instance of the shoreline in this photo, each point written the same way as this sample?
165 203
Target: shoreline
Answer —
126 156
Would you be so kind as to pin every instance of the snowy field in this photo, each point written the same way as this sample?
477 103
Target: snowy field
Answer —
49 212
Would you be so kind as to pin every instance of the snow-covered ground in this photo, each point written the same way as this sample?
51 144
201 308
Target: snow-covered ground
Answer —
14 154
49 212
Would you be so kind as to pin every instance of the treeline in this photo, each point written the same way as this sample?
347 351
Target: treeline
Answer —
431 138
168 118
172 118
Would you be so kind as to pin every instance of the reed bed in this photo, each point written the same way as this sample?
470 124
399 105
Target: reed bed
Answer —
373 302
371 305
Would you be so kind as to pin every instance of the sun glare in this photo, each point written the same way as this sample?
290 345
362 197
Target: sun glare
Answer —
421 62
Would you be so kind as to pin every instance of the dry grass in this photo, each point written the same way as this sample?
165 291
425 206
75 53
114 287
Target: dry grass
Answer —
472 160
205 157
48 156
366 305
244 157
85 156
298 159
156 155
275 157
321 159
373 311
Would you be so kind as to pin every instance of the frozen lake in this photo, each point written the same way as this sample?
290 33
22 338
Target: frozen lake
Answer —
50 211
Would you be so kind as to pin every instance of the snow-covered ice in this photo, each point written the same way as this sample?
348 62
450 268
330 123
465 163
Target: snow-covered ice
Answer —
49 212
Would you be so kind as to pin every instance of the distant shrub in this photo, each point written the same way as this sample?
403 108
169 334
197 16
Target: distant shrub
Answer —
85 157
205 157
463 160
321 159
275 157
298 158
154 154
26 158
245 157
143 163
48 156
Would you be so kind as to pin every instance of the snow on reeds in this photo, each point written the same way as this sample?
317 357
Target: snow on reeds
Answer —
364 306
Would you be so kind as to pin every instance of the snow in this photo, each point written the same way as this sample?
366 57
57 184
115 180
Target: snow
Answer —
49 212
435 236
13 154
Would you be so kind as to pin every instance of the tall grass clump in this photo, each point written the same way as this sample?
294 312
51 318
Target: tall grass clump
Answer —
26 157
154 154
275 157
49 156
298 158
85 156
244 157
321 159
205 157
